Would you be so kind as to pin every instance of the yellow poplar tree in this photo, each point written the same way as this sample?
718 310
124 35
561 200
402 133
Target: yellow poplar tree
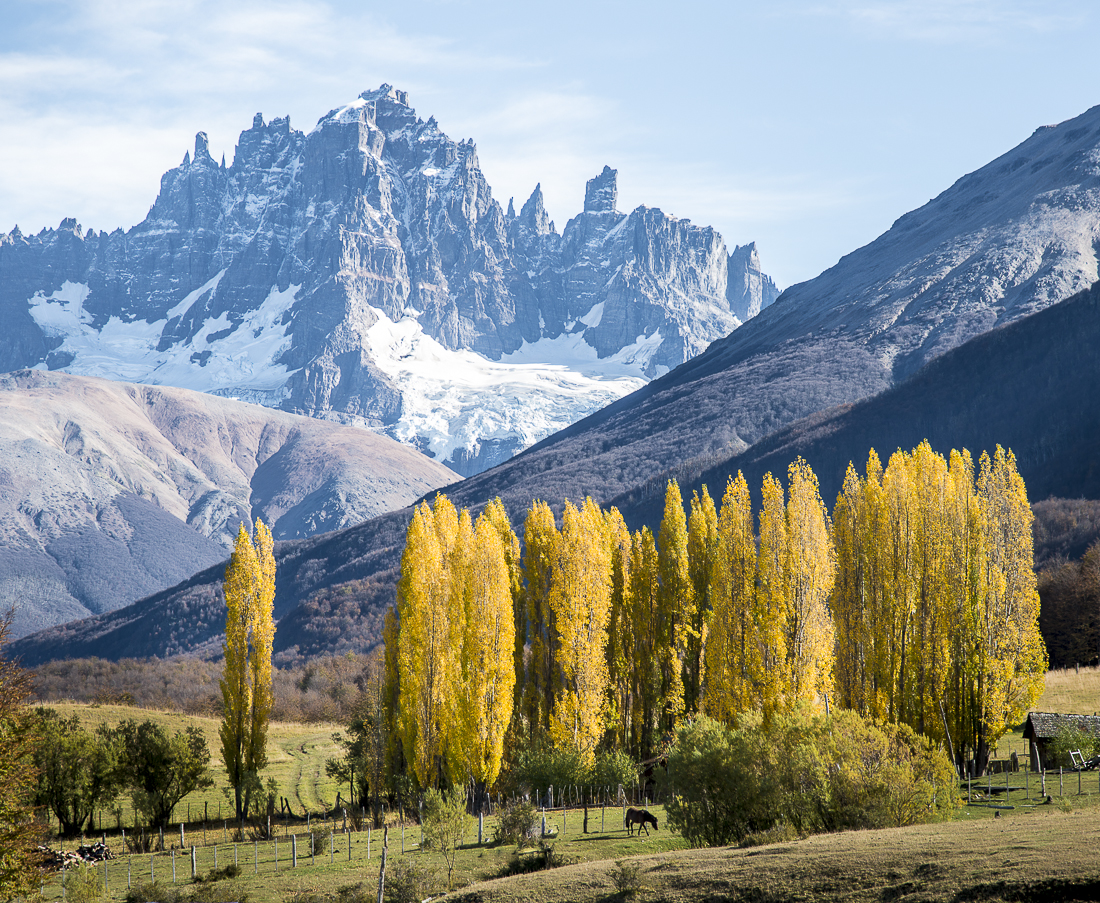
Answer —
677 596
732 652
247 695
1011 657
770 602
648 635
935 604
810 572
488 673
428 640
620 639
540 539
701 546
498 517
580 598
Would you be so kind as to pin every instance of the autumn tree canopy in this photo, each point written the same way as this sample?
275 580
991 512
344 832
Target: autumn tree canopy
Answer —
246 684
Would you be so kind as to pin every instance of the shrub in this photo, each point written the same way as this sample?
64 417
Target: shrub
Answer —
222 874
84 884
627 878
719 794
542 857
1071 738
356 893
320 841
409 882
518 824
445 823
804 771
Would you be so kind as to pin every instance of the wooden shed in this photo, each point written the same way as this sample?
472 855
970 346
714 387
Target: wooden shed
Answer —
1041 728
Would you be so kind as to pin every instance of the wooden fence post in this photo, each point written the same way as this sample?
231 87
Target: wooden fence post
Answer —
194 863
382 877
294 851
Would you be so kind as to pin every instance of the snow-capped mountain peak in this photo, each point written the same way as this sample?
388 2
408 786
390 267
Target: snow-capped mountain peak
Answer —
364 272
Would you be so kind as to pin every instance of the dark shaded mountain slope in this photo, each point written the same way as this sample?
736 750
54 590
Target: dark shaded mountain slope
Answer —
1030 386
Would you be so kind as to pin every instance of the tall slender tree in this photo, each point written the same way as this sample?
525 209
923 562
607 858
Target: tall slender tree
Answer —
246 684
580 597
541 539
677 598
733 669
810 572
487 668
428 641
701 547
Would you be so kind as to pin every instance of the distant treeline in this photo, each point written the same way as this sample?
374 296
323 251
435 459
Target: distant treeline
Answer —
323 690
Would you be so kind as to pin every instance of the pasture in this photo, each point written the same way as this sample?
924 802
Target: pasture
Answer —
1031 851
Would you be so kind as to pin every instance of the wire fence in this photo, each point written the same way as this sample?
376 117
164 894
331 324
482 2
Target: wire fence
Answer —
325 845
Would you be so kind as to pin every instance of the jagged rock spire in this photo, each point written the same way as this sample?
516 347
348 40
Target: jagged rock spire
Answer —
602 192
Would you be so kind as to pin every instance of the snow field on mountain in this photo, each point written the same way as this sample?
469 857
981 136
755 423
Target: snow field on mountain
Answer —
455 400
244 361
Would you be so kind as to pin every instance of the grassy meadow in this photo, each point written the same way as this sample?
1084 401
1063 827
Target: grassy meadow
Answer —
1006 843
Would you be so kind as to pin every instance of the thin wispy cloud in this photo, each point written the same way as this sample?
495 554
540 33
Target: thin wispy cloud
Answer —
955 21
810 122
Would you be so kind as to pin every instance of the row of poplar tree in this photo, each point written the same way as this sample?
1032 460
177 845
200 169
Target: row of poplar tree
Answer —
915 603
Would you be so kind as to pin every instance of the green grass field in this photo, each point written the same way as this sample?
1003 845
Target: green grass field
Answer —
1007 844
296 755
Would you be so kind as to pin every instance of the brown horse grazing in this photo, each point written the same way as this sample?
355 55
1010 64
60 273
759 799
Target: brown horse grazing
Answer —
640 817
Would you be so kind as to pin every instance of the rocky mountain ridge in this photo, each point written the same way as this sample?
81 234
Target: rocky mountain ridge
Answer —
363 272
999 247
111 491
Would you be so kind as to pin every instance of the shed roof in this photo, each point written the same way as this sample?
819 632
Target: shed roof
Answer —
1045 725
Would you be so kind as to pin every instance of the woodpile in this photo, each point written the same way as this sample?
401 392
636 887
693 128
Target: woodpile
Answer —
82 855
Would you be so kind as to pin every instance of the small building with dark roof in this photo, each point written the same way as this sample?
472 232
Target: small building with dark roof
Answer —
1041 728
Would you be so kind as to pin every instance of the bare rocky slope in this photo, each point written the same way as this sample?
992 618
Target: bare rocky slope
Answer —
111 491
1014 238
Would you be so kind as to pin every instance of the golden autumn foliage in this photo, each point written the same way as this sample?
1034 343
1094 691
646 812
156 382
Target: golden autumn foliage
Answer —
246 685
914 604
580 599
455 639
427 637
487 668
733 656
935 605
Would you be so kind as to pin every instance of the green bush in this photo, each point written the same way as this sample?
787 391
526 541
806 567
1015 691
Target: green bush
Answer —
84 884
627 878
1071 738
409 882
719 791
445 825
802 774
518 824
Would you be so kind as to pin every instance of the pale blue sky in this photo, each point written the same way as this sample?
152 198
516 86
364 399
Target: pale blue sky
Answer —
806 126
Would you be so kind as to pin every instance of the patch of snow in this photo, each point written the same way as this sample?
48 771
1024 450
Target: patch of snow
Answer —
184 305
594 316
457 400
241 362
62 313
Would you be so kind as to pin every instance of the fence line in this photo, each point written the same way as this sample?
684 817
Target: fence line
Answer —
182 865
